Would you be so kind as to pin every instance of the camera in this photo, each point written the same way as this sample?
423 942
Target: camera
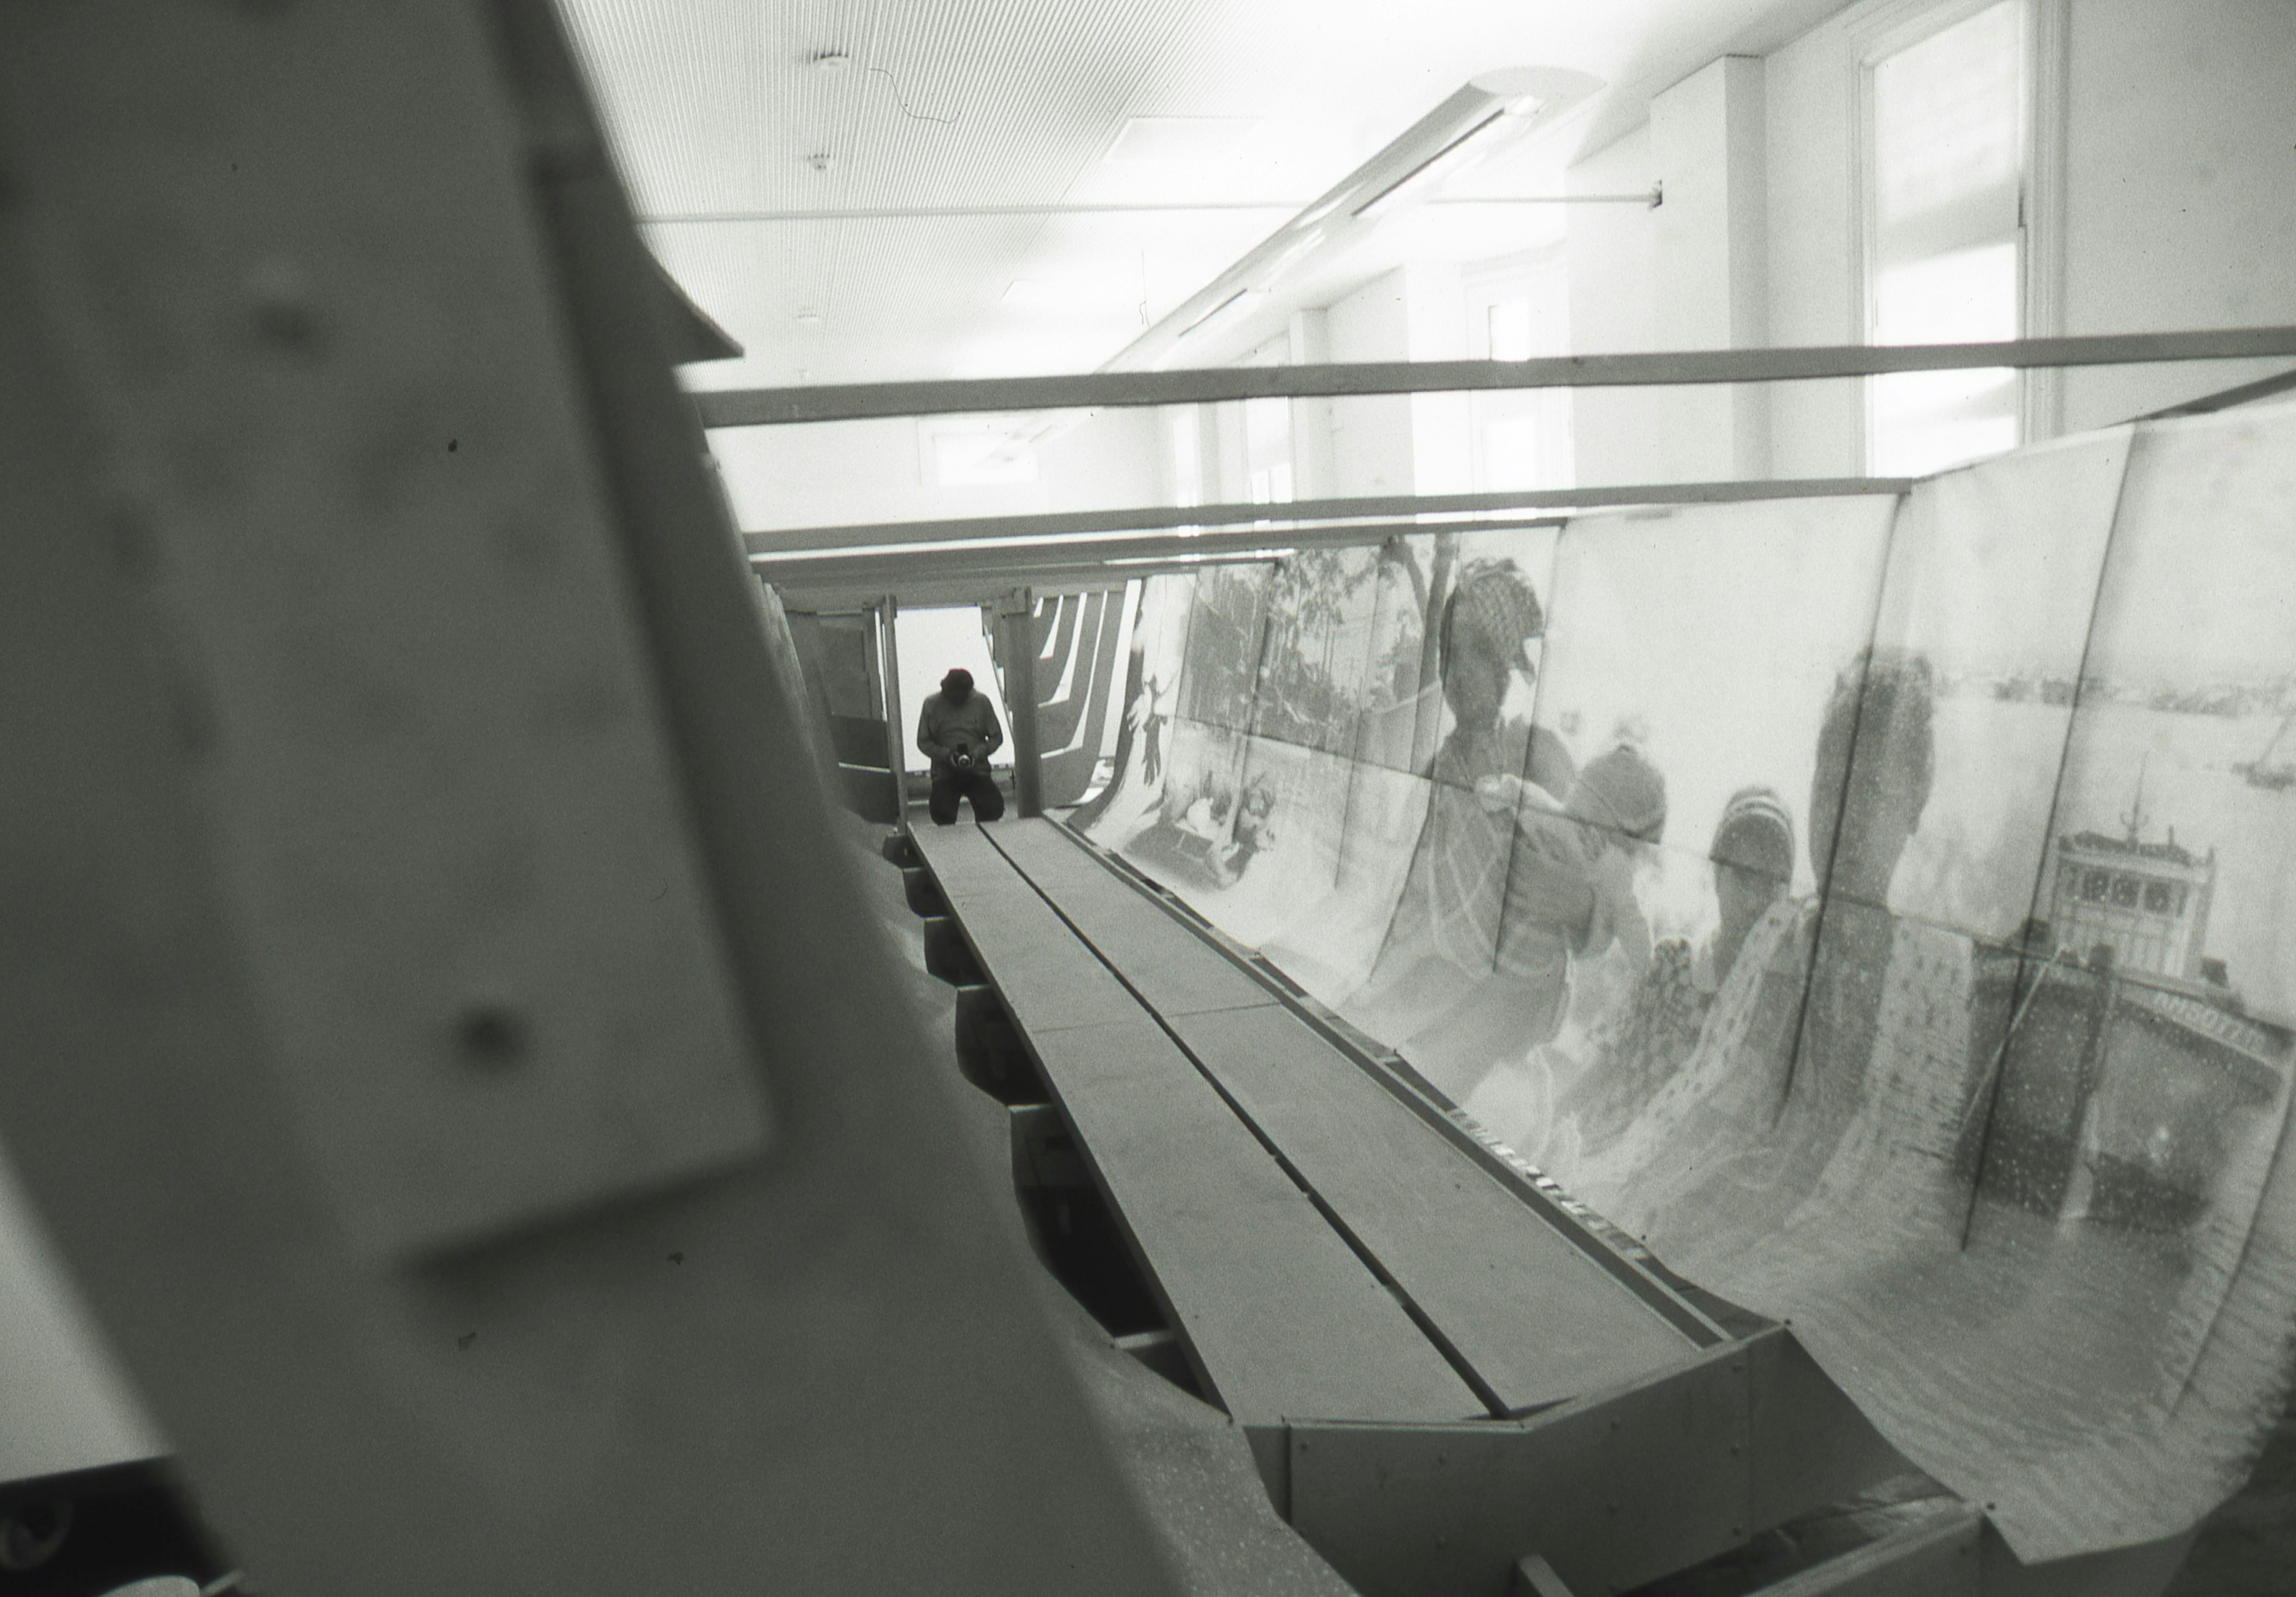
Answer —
963 758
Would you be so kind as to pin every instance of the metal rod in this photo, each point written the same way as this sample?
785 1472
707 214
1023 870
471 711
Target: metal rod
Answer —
1148 518
902 213
845 402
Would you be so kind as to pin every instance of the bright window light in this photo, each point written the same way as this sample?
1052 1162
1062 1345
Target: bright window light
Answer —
1180 431
928 642
1267 450
1969 296
1947 118
1508 323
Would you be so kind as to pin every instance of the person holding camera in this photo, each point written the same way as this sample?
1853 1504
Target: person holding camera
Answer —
958 731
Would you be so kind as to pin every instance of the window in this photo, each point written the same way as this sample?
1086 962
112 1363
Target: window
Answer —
2124 891
1267 450
1507 321
1945 129
1518 309
928 641
2097 886
2160 897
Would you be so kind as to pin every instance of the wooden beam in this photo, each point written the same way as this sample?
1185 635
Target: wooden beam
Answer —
1149 517
2246 393
845 402
1017 645
1645 198
1116 555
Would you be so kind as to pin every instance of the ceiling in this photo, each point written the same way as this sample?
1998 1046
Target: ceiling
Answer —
722 110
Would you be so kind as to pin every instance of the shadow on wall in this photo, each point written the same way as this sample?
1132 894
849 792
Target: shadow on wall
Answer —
1879 906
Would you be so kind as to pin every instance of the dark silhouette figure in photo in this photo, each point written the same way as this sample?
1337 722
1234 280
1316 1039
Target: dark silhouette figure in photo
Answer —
1874 768
957 729
1651 1035
1836 1039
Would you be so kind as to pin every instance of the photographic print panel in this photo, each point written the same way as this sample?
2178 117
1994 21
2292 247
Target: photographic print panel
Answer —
1316 656
1155 655
1992 580
2169 877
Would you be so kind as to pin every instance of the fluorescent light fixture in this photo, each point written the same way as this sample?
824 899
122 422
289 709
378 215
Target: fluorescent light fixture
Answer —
1238 304
1430 174
1491 111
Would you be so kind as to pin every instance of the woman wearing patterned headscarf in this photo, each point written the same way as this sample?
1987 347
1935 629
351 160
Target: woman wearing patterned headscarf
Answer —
1438 990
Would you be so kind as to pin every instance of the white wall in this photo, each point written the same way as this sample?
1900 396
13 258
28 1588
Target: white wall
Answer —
2182 128
1371 435
1708 258
1611 251
839 473
1809 90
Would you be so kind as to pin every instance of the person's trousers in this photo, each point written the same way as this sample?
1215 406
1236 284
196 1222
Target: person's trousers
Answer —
949 786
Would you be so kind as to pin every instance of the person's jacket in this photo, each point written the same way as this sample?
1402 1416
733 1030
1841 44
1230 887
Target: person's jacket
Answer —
942 726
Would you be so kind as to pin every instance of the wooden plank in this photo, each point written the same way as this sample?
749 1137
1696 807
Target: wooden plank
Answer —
1935 1558
1613 1490
1409 507
1537 1319
1172 969
840 402
1281 1319
896 566
960 852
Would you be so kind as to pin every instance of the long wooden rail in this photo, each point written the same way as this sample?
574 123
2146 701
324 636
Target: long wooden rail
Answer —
1280 1320
1439 1379
845 402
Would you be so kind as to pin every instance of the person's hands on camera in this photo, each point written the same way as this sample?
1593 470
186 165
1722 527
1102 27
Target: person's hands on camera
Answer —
961 757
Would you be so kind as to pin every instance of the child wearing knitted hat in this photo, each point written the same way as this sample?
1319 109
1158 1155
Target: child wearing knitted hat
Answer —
1585 848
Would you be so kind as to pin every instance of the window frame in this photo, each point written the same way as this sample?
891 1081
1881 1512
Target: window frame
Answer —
1882 28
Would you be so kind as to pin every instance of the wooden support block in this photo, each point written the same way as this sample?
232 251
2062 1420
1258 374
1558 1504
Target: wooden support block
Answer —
1935 1558
1613 1490
946 955
924 893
